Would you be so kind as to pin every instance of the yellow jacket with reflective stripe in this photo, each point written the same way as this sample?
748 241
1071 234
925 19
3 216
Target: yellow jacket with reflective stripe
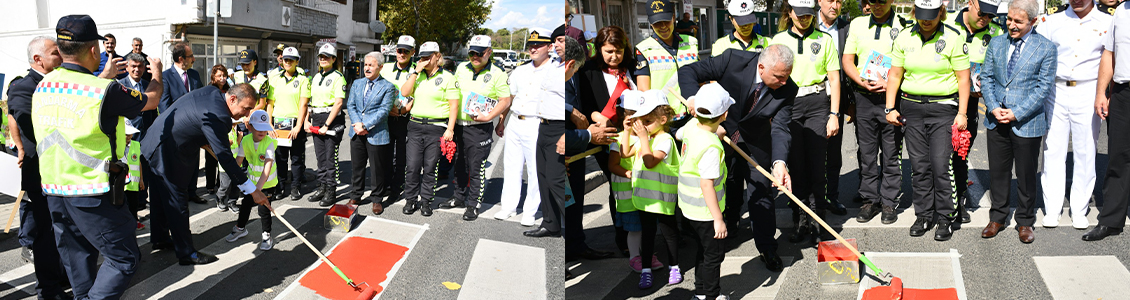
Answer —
655 190
691 200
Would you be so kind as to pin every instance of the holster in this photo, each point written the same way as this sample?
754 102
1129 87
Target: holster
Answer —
118 173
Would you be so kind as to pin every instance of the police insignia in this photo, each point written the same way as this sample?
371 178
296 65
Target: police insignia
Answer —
456 84
262 157
1110 10
894 33
263 89
985 40
295 84
134 93
641 64
486 78
939 46
343 88
965 48
439 81
329 82
134 157
815 48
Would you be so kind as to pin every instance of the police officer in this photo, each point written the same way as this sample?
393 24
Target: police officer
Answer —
659 56
397 73
279 57
434 108
477 79
1077 33
816 71
36 235
975 23
740 13
79 129
830 21
522 132
287 102
327 93
880 181
249 62
931 82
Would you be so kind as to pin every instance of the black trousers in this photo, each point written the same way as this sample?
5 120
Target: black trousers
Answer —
834 161
1116 189
423 154
710 255
809 149
211 167
398 140
1007 150
574 233
360 152
745 185
36 232
665 224
296 154
880 151
930 146
86 227
169 211
960 165
326 148
551 179
264 213
473 143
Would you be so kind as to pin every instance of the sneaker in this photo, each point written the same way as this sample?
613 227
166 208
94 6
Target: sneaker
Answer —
675 276
140 226
655 264
223 206
235 234
645 280
528 219
504 214
636 264
889 215
1079 222
233 207
1051 221
267 242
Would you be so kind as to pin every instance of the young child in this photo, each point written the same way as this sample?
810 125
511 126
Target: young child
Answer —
655 181
702 196
134 184
259 151
620 161
225 198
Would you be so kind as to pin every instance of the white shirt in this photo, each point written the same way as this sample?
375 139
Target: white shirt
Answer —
1079 42
133 84
1117 40
551 101
525 84
610 81
830 30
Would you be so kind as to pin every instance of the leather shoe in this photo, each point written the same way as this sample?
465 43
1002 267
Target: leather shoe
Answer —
867 212
1026 235
452 204
837 208
889 215
944 231
965 219
378 208
920 227
295 194
327 200
411 206
198 258
1100 232
196 199
162 246
541 232
426 208
772 262
470 214
991 230
318 193
592 254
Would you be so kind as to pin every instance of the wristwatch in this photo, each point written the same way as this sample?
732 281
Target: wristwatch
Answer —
887 111
835 114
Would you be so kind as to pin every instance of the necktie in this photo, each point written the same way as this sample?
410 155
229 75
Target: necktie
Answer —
184 76
756 96
368 88
1015 56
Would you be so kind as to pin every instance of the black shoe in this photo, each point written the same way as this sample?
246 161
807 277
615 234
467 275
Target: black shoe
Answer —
944 231
837 208
801 231
426 208
965 216
592 254
858 198
327 201
541 232
27 255
295 194
196 199
318 193
452 204
162 246
233 206
410 206
198 258
889 215
471 214
1100 232
866 213
920 227
772 262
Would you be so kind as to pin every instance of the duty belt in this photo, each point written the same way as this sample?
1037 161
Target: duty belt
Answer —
812 89
321 110
427 120
927 99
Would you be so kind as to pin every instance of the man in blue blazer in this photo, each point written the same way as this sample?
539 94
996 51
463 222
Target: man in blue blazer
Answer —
1017 76
135 70
370 98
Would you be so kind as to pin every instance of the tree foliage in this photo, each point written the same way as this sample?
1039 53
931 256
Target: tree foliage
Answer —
447 22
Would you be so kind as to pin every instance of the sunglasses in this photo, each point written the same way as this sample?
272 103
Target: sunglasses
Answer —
986 15
474 54
876 1
402 51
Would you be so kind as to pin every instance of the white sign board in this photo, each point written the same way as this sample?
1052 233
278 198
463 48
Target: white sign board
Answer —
688 6
225 8
584 22
11 184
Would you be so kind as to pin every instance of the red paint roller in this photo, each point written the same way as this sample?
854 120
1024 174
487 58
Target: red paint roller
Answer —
367 293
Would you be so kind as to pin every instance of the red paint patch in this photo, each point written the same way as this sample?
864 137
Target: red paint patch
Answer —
885 293
362 259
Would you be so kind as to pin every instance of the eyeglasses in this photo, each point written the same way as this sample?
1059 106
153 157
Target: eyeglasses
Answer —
474 54
403 51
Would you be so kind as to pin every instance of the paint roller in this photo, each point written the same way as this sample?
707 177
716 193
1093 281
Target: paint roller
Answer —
893 281
367 293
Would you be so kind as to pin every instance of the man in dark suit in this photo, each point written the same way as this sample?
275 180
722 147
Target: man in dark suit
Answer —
201 118
758 123
36 235
577 140
181 79
832 23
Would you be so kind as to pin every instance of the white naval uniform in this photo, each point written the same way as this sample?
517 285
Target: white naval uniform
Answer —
1071 112
521 135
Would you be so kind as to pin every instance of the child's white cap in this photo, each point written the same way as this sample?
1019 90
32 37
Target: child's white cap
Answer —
650 100
130 130
259 121
631 99
715 99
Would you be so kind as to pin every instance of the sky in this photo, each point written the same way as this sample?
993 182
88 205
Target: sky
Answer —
512 14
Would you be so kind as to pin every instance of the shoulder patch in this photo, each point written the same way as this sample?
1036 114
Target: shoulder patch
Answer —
965 48
641 64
